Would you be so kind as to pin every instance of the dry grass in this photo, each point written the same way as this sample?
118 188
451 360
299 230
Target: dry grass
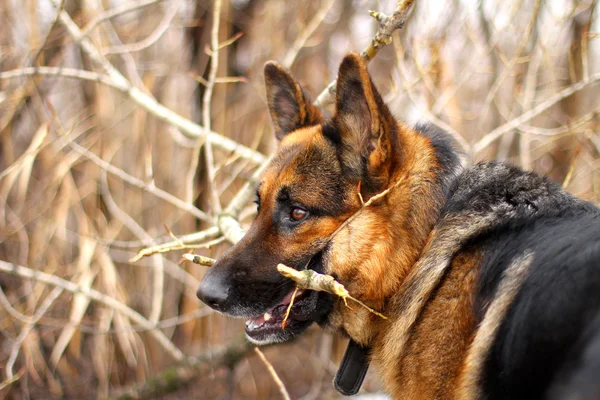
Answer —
98 153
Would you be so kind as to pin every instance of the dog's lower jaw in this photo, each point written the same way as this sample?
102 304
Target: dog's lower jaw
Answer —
265 342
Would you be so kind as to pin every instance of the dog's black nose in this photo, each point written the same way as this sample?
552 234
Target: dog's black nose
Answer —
212 292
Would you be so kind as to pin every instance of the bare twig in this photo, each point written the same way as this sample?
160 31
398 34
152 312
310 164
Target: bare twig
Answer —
11 380
537 110
383 37
195 237
569 127
108 301
426 112
150 39
280 385
306 33
226 79
206 107
149 187
198 259
48 301
136 229
528 99
312 280
149 103
125 8
289 307
60 71
29 155
513 61
34 60
387 26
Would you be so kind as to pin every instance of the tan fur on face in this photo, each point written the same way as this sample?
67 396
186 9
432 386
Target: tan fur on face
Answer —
310 236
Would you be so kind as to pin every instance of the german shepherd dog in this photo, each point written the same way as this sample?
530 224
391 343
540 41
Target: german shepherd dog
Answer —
489 275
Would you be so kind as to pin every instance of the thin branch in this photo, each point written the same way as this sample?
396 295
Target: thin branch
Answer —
568 127
149 187
114 12
312 280
513 61
387 26
108 301
569 175
535 111
60 71
195 237
149 103
34 60
150 39
206 106
10 381
11 310
280 385
528 100
426 112
306 33
226 79
383 37
200 260
48 301
158 281
165 323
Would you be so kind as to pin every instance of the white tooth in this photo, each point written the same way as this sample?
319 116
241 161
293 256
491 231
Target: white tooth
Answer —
267 316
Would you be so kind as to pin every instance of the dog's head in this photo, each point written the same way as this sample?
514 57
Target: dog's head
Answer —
309 189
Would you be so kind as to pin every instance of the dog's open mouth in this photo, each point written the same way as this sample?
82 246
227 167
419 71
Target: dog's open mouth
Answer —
307 307
270 328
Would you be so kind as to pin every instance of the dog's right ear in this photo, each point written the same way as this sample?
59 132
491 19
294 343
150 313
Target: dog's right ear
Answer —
289 106
365 126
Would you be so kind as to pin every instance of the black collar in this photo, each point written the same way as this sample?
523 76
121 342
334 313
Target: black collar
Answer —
353 369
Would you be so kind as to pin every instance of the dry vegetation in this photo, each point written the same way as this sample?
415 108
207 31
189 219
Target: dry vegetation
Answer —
98 154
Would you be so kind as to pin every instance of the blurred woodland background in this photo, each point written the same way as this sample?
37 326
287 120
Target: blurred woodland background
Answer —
98 154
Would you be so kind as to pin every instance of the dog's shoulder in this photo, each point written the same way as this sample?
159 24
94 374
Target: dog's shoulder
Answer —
496 186
540 251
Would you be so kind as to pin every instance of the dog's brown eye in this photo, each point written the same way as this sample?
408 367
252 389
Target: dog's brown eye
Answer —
298 214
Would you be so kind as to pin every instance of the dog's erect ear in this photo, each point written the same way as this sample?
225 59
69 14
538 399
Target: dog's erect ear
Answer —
289 106
364 123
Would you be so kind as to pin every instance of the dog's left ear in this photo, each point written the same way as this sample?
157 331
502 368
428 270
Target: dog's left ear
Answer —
289 106
364 124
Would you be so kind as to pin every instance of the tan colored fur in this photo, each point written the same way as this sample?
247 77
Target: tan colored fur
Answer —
513 278
430 363
373 255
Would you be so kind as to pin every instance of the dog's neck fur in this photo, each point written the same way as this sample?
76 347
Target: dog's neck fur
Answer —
429 166
435 166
